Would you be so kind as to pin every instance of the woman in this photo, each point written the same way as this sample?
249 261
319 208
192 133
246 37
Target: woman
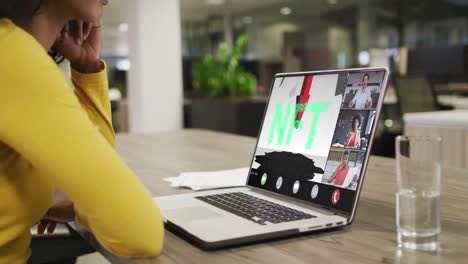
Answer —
339 175
55 140
353 138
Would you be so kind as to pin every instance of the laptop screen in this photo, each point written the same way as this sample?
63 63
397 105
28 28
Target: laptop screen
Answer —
316 134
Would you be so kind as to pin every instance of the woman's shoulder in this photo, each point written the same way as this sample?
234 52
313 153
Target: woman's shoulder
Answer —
26 65
20 51
6 26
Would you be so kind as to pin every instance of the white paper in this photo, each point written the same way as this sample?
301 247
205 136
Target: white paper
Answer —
204 180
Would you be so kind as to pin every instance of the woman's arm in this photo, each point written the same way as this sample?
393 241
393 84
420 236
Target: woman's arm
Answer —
351 103
43 121
81 42
357 139
91 89
369 101
332 178
347 138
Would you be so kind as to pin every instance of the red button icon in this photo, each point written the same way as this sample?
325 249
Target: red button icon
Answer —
335 196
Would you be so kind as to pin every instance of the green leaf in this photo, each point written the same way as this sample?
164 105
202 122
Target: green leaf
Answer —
224 76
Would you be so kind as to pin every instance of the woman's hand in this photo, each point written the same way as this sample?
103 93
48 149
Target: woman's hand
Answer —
80 42
46 225
61 211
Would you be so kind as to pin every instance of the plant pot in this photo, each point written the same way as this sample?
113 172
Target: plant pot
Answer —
241 115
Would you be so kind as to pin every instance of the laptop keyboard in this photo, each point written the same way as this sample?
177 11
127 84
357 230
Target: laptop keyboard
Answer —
254 209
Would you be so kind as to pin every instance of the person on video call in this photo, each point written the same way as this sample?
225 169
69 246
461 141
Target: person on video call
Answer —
341 171
353 138
57 156
362 99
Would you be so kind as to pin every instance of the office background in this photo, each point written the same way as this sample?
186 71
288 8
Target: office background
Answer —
152 49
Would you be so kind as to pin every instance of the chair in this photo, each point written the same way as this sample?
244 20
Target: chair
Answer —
415 94
63 247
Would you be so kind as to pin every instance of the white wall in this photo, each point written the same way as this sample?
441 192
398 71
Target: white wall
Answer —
269 40
340 41
155 76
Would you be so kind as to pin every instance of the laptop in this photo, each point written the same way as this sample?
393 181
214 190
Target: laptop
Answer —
307 169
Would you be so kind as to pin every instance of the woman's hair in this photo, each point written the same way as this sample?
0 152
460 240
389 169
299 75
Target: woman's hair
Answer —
20 9
364 76
346 153
358 118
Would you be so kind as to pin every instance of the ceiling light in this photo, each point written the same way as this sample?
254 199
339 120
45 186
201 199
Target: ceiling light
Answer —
364 58
388 122
215 2
285 11
247 20
123 65
123 27
333 2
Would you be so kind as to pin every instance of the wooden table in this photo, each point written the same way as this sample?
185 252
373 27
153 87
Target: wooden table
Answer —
370 239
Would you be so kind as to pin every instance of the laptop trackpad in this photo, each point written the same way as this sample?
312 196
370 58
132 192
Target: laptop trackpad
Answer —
194 213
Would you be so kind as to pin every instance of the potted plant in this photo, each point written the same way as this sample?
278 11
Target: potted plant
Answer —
226 88
224 76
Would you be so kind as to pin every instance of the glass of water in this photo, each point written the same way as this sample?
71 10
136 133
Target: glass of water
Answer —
418 192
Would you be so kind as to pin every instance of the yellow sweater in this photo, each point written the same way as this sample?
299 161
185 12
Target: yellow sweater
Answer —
53 137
